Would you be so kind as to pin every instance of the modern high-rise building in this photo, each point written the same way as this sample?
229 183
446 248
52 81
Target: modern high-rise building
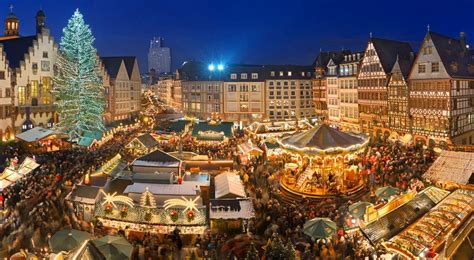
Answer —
159 56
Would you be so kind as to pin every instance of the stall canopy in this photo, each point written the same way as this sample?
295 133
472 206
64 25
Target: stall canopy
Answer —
178 126
323 139
249 148
88 250
157 158
37 134
231 209
228 185
11 174
212 131
451 166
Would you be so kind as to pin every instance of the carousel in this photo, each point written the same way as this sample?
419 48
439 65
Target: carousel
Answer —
323 162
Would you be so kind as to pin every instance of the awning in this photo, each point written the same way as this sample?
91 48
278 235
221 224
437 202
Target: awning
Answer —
451 166
36 134
231 209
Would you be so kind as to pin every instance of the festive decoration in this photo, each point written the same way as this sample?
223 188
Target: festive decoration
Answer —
190 215
77 86
148 216
189 204
123 212
174 215
108 209
147 200
114 198
252 253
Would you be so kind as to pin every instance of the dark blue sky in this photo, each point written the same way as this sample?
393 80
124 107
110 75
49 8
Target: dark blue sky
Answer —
260 32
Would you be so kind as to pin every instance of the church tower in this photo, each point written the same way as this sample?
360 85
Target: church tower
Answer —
12 24
40 21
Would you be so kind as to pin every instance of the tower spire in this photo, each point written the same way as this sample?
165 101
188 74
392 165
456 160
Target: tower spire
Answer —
11 8
428 27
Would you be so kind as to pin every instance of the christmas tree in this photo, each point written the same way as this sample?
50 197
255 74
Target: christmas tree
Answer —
78 86
147 200
252 253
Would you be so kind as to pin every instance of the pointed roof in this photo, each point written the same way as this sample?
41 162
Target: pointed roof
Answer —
16 48
388 50
147 140
457 59
112 65
404 65
324 56
87 251
322 139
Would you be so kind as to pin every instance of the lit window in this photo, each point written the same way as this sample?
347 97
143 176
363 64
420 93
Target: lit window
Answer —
254 75
34 88
233 76
272 73
243 75
421 68
281 73
289 73
302 74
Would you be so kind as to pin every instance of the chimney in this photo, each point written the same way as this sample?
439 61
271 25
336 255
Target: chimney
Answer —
462 39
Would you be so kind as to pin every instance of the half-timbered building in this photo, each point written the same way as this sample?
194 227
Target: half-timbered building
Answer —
442 91
398 110
379 58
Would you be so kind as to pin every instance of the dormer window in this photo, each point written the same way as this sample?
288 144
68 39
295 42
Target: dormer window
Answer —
233 76
243 75
281 73
302 74
289 73
254 75
272 73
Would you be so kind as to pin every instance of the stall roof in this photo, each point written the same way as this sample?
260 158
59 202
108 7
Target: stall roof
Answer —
84 193
442 219
35 134
451 166
89 137
249 148
390 224
231 209
157 158
87 250
228 185
147 140
218 127
186 188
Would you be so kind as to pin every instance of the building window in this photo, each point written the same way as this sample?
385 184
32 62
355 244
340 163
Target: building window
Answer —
45 54
34 88
232 88
233 76
254 75
435 67
302 74
2 74
272 73
281 73
290 73
254 88
421 68
243 75
21 95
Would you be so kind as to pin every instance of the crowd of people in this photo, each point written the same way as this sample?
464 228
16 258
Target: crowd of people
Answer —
34 207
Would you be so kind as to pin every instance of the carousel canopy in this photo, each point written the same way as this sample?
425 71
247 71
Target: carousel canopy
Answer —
322 139
457 167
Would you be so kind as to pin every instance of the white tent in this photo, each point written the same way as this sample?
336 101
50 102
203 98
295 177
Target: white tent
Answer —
227 185
457 167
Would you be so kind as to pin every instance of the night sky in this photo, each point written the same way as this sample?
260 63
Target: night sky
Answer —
246 31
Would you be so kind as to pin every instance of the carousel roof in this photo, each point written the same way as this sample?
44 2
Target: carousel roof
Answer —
324 138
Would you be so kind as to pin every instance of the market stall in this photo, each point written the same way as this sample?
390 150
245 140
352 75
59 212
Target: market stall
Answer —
452 169
142 144
44 140
248 150
324 156
13 173
213 131
433 229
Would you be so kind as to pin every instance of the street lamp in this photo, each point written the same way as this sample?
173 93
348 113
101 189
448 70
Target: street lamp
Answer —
220 67
211 67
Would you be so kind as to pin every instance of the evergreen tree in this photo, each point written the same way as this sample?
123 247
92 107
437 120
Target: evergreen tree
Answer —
252 253
78 86
147 200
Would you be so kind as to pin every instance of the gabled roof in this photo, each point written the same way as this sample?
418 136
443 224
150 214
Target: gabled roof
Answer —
457 59
35 134
147 140
404 65
324 56
228 185
388 50
87 251
16 48
112 65
157 158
